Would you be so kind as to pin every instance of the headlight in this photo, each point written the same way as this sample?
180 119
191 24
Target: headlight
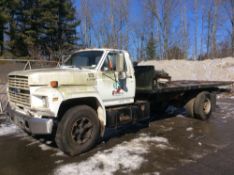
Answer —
39 101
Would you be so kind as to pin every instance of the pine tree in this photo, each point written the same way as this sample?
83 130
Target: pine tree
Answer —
4 17
150 48
49 26
67 23
14 43
39 28
59 26
2 24
7 22
38 19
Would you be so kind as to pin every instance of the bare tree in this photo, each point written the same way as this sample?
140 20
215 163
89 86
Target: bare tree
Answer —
195 28
86 21
229 9
140 29
106 21
209 18
202 28
163 11
184 33
214 29
137 37
212 10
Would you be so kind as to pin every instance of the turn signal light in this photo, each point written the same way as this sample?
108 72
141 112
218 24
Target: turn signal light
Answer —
54 84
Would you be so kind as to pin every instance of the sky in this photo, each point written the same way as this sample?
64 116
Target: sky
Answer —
135 11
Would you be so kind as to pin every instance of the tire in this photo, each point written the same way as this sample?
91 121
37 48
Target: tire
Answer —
189 107
78 130
203 106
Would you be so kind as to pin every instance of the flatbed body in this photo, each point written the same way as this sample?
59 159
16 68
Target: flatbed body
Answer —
187 85
147 82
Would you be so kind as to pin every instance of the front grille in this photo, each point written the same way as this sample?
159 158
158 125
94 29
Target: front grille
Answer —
19 90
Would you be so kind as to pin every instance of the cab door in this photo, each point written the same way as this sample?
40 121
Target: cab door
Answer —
115 88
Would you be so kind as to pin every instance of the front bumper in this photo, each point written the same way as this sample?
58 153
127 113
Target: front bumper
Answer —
31 124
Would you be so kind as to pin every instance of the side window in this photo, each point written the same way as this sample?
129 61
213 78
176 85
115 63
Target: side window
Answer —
110 62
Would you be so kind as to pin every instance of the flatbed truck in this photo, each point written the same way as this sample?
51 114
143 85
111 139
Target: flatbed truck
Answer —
97 89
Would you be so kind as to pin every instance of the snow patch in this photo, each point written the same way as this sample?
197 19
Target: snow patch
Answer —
190 136
164 147
44 147
180 116
33 143
124 157
210 69
8 129
49 142
58 161
154 173
59 153
186 161
189 129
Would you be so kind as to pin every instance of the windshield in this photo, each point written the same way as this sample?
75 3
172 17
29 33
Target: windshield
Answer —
85 59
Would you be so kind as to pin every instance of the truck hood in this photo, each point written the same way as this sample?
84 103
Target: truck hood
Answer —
64 76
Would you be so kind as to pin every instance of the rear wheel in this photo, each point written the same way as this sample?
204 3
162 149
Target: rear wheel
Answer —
78 131
189 107
203 105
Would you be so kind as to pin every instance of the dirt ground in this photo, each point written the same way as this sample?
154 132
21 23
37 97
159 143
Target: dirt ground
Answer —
172 144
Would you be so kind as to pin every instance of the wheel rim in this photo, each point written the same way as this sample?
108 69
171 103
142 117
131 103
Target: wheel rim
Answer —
207 106
82 130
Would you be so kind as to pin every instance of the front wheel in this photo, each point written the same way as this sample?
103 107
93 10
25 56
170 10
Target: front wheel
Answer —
78 131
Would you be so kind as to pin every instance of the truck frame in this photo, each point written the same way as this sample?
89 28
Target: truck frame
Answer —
97 89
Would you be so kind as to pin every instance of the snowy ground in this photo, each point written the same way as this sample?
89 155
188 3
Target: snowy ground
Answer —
8 129
124 157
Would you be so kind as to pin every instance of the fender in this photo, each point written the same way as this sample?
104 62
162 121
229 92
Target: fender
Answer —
79 93
66 93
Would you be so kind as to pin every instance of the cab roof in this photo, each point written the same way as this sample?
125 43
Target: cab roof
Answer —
99 49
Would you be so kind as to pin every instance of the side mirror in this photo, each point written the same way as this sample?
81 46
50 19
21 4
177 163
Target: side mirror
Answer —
120 63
